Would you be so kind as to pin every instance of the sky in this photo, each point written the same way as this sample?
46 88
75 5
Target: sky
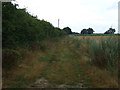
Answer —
119 17
76 14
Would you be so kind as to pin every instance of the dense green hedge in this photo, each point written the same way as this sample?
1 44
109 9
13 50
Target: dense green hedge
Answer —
20 28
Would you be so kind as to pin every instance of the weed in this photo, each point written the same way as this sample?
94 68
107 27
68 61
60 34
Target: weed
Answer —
104 53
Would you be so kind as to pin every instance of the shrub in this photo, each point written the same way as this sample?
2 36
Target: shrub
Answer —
21 29
10 58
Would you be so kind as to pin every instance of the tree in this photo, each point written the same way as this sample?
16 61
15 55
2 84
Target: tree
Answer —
84 31
110 31
22 29
67 30
90 31
87 31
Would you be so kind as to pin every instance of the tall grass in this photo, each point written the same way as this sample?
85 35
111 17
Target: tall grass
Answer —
10 58
64 62
104 53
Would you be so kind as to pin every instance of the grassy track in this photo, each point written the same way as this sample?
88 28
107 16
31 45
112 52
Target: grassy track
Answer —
64 63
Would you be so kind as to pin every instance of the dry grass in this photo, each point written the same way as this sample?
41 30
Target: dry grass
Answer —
64 62
95 37
99 78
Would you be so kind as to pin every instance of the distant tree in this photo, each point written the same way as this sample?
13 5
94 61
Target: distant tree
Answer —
67 30
110 31
84 31
75 33
87 31
90 31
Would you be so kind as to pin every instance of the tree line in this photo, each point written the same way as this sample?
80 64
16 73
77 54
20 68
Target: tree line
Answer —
87 31
22 29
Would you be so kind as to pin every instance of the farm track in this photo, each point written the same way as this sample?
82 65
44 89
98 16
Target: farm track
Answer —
63 64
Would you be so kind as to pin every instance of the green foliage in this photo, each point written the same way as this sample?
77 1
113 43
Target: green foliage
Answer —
22 29
87 31
110 31
67 30
104 53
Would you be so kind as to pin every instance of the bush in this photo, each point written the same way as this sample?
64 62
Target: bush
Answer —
20 29
10 58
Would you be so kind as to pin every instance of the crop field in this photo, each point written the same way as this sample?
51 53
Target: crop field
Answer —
68 62
97 38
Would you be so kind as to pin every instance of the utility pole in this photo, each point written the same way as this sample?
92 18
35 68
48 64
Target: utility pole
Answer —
119 17
58 22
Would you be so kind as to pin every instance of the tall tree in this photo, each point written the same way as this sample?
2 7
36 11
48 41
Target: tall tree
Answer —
67 30
87 31
90 31
110 31
84 31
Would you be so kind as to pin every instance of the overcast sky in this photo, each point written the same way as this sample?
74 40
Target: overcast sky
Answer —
76 14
